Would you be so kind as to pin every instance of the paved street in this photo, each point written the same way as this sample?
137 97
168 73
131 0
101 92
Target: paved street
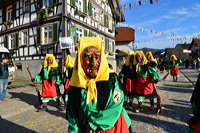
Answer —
18 113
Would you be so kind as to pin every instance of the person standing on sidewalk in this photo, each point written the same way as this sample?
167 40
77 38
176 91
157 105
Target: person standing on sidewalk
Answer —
194 122
51 79
3 78
174 66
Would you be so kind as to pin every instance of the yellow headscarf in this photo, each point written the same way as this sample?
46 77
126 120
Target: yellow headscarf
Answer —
54 64
68 62
127 61
79 78
173 58
151 55
138 64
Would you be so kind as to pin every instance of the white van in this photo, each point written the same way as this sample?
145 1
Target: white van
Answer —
4 52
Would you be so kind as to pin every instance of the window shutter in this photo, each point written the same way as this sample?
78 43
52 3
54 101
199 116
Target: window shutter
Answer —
113 46
90 34
39 3
73 3
4 14
6 42
105 20
16 40
113 26
55 32
90 8
54 3
85 6
85 32
38 36
13 12
107 44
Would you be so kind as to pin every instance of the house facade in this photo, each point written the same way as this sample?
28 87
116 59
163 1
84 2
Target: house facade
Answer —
195 48
125 37
181 51
32 28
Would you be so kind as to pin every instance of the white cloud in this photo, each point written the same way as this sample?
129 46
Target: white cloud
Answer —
175 30
181 11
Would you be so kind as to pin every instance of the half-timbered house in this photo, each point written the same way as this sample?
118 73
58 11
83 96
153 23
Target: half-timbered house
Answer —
31 28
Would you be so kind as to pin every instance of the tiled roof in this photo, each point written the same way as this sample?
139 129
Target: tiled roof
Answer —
124 34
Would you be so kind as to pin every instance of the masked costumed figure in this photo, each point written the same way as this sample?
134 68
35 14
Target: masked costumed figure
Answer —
129 75
174 66
51 79
153 64
68 68
194 122
96 99
146 77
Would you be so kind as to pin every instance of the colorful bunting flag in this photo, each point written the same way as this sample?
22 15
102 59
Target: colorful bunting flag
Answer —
130 5
124 8
151 1
139 2
134 3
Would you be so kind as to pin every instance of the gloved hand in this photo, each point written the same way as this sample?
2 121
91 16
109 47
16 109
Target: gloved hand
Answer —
155 81
32 79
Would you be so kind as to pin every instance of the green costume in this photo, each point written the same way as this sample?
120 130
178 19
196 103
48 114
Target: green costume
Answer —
103 114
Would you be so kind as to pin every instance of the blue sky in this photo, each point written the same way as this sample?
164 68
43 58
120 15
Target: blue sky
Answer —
179 17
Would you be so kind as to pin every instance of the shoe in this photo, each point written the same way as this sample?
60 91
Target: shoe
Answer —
44 108
138 110
61 108
158 111
152 108
125 104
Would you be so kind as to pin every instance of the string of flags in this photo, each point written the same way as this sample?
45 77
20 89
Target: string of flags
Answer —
133 4
164 40
175 37
151 31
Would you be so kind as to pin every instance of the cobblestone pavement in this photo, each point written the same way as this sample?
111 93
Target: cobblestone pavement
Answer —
19 111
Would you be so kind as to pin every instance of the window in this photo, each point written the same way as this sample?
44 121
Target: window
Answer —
80 5
24 38
79 33
103 42
94 12
18 67
47 3
9 13
110 24
12 41
110 45
48 35
94 35
26 5
101 17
